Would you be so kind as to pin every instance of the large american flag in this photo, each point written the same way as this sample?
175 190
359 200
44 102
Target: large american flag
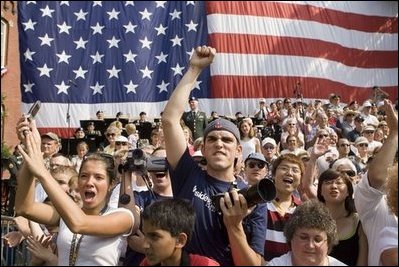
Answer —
128 56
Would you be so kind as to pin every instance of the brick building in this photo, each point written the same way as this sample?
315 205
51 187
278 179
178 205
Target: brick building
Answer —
10 81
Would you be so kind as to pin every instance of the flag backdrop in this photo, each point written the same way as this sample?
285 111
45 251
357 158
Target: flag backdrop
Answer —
128 56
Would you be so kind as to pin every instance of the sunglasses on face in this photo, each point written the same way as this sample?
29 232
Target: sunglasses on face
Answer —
350 173
252 165
121 143
344 145
111 134
363 145
323 135
160 175
369 132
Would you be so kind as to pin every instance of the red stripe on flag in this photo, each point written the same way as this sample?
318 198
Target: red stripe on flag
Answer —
280 87
273 45
306 12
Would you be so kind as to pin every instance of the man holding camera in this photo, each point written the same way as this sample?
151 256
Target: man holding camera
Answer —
217 235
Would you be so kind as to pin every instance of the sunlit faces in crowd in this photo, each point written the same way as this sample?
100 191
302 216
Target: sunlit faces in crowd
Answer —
221 148
255 170
311 232
335 187
347 169
96 176
49 146
79 133
287 172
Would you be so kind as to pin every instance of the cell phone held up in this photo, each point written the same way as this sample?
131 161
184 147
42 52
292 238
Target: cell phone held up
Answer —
33 110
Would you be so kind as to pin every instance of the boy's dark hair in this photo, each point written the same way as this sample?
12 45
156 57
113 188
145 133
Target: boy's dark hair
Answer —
172 215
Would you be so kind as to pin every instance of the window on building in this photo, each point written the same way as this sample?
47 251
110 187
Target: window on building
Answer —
4 41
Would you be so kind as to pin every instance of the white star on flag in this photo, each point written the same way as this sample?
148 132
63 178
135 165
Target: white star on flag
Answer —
45 71
63 57
80 73
62 88
177 70
130 57
97 88
28 87
113 72
163 87
97 58
146 72
131 87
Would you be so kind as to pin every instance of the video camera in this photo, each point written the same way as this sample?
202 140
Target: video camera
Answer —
263 191
137 161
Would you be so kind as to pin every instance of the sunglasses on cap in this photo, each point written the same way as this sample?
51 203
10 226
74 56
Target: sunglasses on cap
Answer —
260 165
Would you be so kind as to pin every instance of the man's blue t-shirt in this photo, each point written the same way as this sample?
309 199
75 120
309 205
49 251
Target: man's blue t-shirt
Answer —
210 237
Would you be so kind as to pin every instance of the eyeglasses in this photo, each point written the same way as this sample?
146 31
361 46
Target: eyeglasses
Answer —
295 170
338 182
344 145
260 165
368 132
318 241
323 135
111 134
363 145
350 173
268 147
121 143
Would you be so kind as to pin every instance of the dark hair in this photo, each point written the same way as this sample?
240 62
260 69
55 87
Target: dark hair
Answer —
312 214
329 175
290 158
172 215
107 159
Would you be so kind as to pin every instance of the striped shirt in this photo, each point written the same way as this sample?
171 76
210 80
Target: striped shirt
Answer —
275 243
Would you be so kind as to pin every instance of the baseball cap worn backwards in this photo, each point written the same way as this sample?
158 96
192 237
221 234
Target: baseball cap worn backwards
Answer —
222 125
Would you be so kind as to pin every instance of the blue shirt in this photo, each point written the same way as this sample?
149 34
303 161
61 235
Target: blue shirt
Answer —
210 237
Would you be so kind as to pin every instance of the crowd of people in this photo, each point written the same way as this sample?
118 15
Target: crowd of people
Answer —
330 197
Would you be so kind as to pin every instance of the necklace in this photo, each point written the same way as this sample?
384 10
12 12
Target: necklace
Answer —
74 251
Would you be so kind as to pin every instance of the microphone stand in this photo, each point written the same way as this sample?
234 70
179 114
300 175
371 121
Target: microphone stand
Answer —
68 117
68 120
